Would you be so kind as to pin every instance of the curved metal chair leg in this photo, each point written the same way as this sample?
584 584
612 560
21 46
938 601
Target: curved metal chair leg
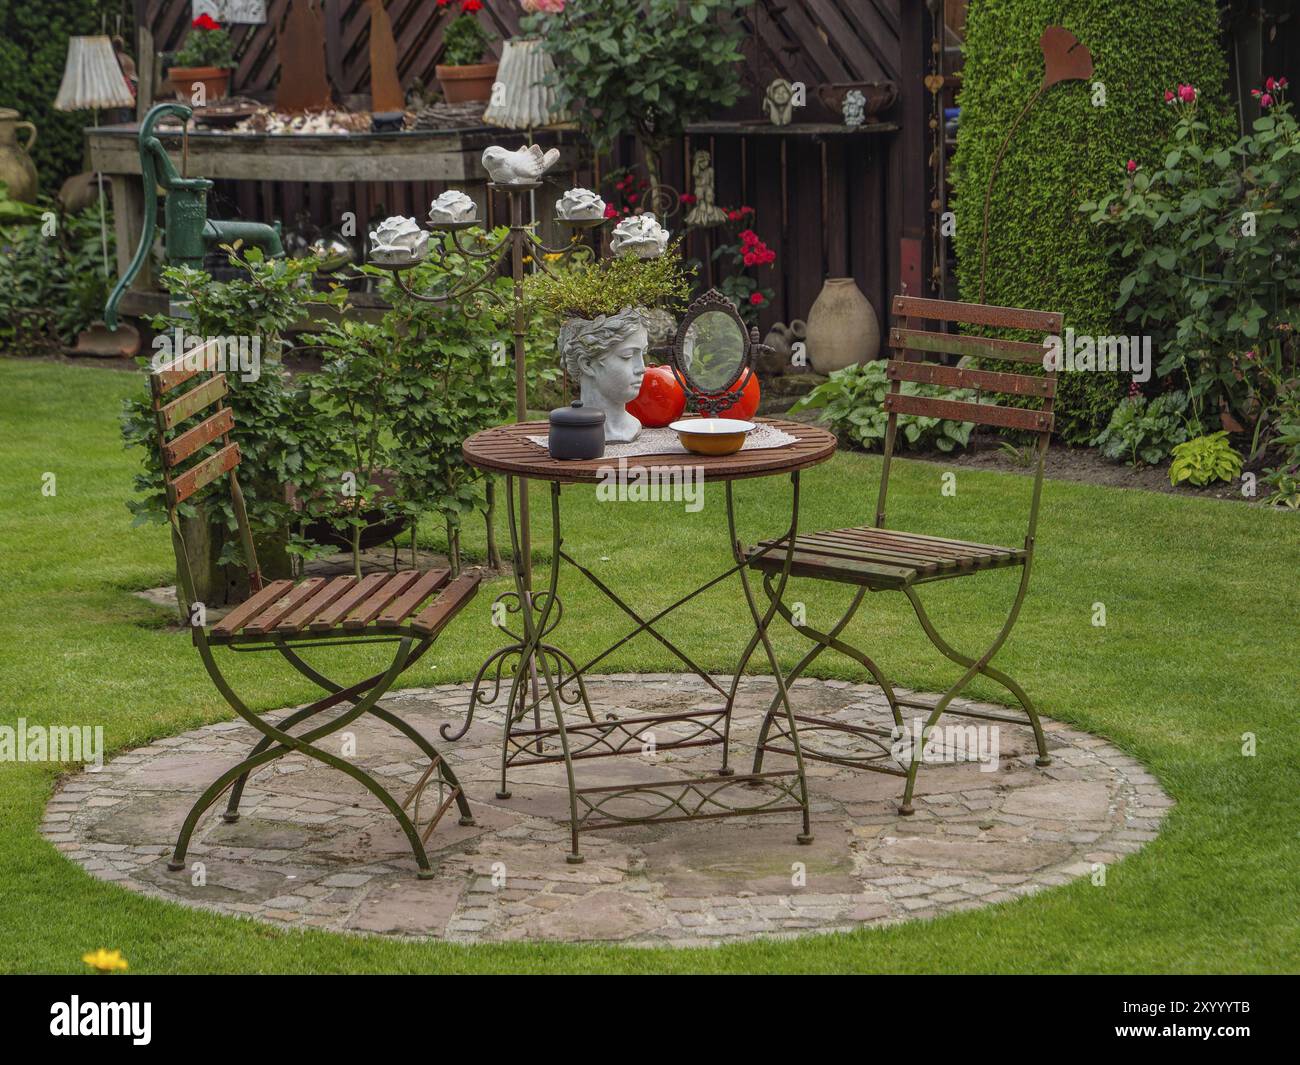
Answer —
387 716
284 742
974 667
231 814
996 675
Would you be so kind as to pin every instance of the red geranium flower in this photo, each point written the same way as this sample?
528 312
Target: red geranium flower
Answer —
611 211
686 198
471 5
756 298
205 22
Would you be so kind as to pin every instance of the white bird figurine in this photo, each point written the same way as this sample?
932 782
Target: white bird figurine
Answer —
521 167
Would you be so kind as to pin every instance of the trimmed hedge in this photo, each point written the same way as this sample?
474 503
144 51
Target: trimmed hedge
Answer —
1042 252
33 50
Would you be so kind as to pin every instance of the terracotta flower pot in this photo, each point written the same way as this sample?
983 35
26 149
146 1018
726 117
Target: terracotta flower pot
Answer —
215 81
465 83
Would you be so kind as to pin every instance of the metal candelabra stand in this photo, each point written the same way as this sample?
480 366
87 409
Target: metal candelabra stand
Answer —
521 243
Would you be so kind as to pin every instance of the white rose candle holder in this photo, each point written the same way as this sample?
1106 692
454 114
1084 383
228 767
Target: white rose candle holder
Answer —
641 236
398 241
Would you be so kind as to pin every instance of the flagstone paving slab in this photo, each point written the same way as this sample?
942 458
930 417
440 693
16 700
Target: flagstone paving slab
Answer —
315 849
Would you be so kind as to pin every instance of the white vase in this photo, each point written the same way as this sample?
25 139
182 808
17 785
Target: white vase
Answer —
520 98
842 327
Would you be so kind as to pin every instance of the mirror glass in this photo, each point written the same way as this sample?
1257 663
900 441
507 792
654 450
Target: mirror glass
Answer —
713 352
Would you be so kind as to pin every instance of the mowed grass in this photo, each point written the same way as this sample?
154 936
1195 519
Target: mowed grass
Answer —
1200 647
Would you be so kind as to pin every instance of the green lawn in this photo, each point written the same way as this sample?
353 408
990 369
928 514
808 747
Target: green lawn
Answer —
1201 645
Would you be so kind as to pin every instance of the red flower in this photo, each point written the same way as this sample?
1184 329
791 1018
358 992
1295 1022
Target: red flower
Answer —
748 237
756 298
632 197
1187 93
686 198
1266 100
751 258
1270 84
734 216
1131 165
471 5
1169 96
205 22
611 211
747 210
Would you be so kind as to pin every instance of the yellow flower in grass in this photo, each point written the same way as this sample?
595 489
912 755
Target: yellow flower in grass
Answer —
106 961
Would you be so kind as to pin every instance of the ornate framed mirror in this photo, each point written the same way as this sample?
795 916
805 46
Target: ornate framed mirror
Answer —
713 354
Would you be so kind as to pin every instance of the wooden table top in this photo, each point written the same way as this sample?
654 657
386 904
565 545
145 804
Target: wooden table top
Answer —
505 449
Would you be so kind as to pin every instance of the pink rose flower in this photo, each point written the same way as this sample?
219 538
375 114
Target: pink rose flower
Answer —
1169 96
1266 100
1131 165
1187 93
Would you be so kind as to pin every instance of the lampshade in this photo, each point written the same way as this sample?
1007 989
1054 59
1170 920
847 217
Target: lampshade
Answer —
92 77
521 99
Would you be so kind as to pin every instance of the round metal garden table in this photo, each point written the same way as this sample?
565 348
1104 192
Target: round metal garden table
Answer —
541 673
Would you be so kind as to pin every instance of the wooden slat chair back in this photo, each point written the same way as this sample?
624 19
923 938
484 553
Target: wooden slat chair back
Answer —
195 454
875 558
916 354
196 426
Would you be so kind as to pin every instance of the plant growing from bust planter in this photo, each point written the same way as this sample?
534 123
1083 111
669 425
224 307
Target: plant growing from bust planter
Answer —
647 68
204 59
463 74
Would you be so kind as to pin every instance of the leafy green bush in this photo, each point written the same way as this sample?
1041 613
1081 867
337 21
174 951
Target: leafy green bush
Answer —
33 50
648 68
1065 152
205 45
1205 459
1208 232
465 41
1144 430
52 286
853 405
279 448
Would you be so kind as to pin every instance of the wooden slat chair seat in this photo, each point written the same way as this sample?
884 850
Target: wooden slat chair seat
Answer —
874 558
408 608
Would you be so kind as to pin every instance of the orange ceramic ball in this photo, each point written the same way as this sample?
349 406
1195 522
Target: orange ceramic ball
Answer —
661 399
746 405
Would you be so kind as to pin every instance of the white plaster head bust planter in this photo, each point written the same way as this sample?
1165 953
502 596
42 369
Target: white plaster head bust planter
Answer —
606 356
521 167
580 205
398 241
452 206
641 235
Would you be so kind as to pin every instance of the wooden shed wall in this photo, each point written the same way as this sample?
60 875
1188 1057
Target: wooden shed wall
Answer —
834 207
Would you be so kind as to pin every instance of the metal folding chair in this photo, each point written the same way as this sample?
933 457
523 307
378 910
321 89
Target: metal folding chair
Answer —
873 558
407 608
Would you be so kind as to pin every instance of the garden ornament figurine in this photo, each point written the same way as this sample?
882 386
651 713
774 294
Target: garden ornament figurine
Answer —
606 355
640 235
521 167
705 211
452 206
398 240
778 102
580 205
855 108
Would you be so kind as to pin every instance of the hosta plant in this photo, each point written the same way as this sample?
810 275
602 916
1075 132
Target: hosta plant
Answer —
1205 459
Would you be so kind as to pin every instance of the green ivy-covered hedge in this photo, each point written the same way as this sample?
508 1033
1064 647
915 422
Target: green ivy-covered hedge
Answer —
33 50
1067 151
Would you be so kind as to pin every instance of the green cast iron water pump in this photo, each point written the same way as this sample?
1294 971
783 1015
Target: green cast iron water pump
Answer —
188 233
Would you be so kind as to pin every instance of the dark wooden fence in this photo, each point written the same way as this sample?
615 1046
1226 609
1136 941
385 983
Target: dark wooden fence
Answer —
829 206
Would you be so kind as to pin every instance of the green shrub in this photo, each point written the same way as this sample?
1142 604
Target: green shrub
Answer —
52 286
1067 151
853 404
1142 430
464 41
33 50
1205 459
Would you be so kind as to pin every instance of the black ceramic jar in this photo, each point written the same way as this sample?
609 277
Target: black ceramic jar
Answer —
577 432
